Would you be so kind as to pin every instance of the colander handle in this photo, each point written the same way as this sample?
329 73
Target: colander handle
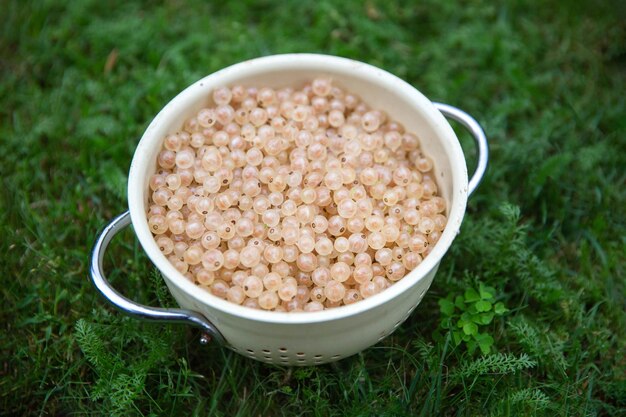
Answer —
479 136
169 315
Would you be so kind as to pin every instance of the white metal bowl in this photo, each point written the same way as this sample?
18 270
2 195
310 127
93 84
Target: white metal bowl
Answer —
299 338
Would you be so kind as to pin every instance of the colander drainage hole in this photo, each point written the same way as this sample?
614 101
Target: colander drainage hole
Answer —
301 360
267 352
335 357
282 349
317 357
301 354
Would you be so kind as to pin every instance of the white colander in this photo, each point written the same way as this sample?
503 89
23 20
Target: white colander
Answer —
299 338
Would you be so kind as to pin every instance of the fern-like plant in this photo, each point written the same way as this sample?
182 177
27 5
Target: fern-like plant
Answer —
498 363
130 359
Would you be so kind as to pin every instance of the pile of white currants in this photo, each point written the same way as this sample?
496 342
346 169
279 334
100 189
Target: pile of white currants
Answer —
294 200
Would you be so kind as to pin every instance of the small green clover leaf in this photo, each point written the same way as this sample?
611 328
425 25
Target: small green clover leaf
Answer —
500 308
464 316
486 318
446 307
471 295
486 293
485 341
483 305
470 329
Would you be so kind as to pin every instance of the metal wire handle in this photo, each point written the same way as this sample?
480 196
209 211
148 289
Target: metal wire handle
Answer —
131 308
479 136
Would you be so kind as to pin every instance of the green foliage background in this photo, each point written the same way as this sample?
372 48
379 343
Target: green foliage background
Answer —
80 81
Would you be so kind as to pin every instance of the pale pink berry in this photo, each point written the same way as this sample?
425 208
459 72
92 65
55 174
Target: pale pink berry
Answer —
340 271
307 262
219 288
362 273
395 271
368 289
287 291
341 244
272 281
351 296
312 306
252 286
212 260
268 300
324 246
334 290
249 256
236 295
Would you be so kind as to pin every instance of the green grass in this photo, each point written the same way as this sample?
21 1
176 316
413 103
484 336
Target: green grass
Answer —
80 82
